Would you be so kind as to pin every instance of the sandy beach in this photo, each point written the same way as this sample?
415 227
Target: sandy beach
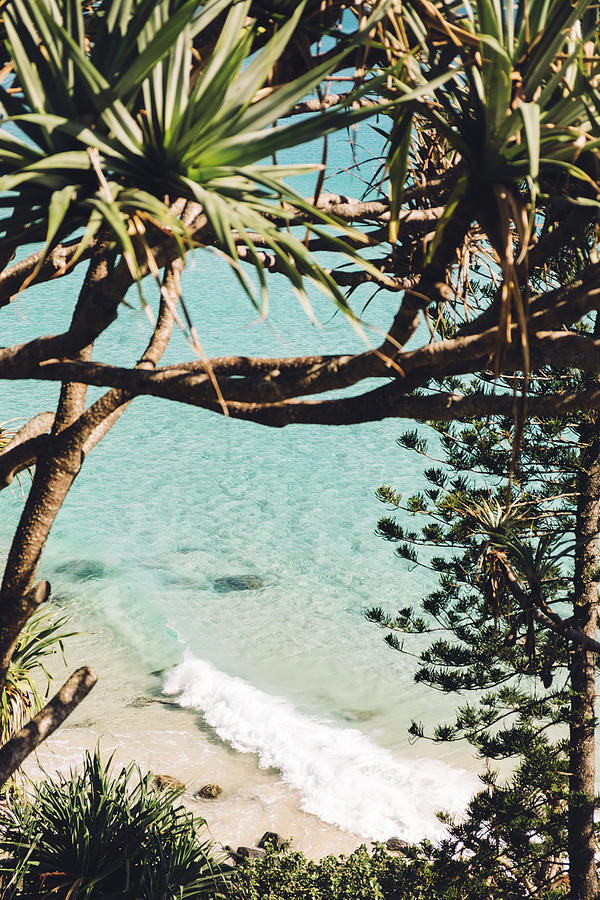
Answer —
120 717
127 714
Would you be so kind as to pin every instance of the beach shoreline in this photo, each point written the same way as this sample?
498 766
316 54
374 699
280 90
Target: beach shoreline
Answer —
128 715
168 740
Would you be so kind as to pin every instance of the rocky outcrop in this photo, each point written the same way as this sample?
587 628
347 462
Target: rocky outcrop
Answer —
167 782
250 852
208 792
272 839
396 844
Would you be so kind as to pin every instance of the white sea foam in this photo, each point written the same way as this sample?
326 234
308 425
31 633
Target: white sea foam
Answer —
342 776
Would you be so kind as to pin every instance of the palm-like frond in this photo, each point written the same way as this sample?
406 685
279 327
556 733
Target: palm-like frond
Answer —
98 833
42 637
104 131
521 108
506 527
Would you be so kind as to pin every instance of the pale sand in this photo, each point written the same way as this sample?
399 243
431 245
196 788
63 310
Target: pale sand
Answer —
166 739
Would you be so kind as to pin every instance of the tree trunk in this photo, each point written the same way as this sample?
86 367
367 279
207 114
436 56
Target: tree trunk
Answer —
582 845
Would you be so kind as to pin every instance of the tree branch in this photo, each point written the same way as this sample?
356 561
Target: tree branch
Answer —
243 379
432 286
25 447
547 619
18 459
25 741
57 261
319 105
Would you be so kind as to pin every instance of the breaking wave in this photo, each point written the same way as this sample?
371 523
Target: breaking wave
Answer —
341 775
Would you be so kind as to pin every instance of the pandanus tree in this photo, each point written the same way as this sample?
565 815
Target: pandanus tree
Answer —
124 148
135 132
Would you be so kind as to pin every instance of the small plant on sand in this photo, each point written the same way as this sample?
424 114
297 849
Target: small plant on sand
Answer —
42 637
102 835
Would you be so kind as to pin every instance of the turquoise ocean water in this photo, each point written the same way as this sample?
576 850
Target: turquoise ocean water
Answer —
178 508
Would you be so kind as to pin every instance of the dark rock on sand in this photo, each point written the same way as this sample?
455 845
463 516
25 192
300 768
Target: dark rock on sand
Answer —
238 583
396 844
164 782
208 792
84 723
251 852
271 838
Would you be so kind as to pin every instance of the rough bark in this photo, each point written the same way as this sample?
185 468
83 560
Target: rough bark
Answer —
582 768
62 454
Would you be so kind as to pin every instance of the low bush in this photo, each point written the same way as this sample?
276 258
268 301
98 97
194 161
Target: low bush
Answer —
100 836
41 637
452 870
419 874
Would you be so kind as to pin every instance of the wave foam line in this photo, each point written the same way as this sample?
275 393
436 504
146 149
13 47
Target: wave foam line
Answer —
341 775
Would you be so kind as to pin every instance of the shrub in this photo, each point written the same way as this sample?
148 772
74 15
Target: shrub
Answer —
100 835
419 874
42 636
448 871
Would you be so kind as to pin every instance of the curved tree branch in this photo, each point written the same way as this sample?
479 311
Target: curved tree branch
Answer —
25 741
547 619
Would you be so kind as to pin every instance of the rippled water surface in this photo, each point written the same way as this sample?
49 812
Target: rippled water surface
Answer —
245 557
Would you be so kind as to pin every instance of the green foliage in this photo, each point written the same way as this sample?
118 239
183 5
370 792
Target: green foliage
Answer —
114 118
506 587
520 96
42 637
421 873
514 833
101 835
472 512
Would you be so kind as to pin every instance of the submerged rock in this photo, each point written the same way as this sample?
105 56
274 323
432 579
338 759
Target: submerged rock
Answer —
208 792
238 583
187 548
82 569
64 598
273 839
167 782
357 715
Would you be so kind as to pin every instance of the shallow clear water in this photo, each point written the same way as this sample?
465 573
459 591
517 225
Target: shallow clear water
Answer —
251 553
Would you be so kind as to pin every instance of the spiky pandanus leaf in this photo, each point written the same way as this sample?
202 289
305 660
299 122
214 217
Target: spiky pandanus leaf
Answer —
22 696
521 110
109 129
100 833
